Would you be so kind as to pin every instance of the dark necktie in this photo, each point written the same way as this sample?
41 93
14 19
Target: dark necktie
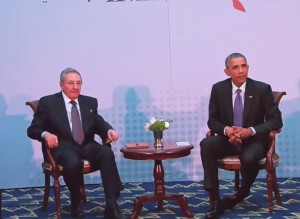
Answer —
77 129
238 113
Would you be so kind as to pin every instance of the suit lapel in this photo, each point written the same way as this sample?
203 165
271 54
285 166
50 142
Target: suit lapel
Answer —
84 110
62 113
227 95
248 99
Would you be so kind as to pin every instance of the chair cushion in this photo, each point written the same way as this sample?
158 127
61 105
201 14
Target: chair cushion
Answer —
47 166
233 162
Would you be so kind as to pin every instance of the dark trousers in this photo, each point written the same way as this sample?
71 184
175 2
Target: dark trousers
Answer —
100 157
217 147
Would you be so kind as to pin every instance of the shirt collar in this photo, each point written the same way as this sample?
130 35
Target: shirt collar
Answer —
67 99
242 88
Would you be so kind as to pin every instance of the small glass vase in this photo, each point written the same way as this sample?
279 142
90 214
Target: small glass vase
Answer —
158 136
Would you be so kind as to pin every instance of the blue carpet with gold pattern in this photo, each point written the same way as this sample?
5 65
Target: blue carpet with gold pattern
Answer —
26 202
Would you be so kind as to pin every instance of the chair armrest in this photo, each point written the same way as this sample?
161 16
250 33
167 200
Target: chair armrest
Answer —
272 150
209 133
51 158
107 141
108 144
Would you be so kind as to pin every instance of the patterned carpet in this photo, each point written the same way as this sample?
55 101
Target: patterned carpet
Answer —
26 203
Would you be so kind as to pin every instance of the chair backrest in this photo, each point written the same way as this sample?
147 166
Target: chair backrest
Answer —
33 104
278 95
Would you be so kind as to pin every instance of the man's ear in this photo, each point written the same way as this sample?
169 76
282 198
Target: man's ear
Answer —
227 72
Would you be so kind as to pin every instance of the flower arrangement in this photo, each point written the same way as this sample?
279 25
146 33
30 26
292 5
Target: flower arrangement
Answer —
157 124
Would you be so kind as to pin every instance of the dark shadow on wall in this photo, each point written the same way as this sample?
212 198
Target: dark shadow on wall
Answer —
132 108
16 158
128 120
134 121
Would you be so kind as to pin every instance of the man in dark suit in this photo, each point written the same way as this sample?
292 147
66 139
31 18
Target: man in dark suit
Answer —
259 116
54 124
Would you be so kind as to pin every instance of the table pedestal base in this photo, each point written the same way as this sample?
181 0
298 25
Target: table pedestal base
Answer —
159 194
181 199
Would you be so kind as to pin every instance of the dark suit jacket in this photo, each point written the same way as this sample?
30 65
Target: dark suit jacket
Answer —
260 110
52 116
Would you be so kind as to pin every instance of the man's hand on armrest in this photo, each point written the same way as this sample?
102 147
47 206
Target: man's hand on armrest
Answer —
50 139
112 135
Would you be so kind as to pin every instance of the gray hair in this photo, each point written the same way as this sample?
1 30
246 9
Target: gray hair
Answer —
67 71
232 56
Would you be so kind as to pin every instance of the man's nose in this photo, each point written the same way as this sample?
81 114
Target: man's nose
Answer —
75 85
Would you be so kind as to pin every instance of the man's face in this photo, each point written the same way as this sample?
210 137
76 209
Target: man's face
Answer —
238 70
71 86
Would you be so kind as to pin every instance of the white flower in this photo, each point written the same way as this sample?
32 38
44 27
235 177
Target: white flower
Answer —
153 120
147 125
157 124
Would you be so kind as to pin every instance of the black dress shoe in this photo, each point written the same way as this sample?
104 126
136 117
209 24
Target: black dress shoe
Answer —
77 211
228 202
215 211
112 211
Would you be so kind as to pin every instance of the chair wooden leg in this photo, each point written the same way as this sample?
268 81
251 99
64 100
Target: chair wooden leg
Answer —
270 181
46 192
276 189
57 197
236 180
82 193
82 190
